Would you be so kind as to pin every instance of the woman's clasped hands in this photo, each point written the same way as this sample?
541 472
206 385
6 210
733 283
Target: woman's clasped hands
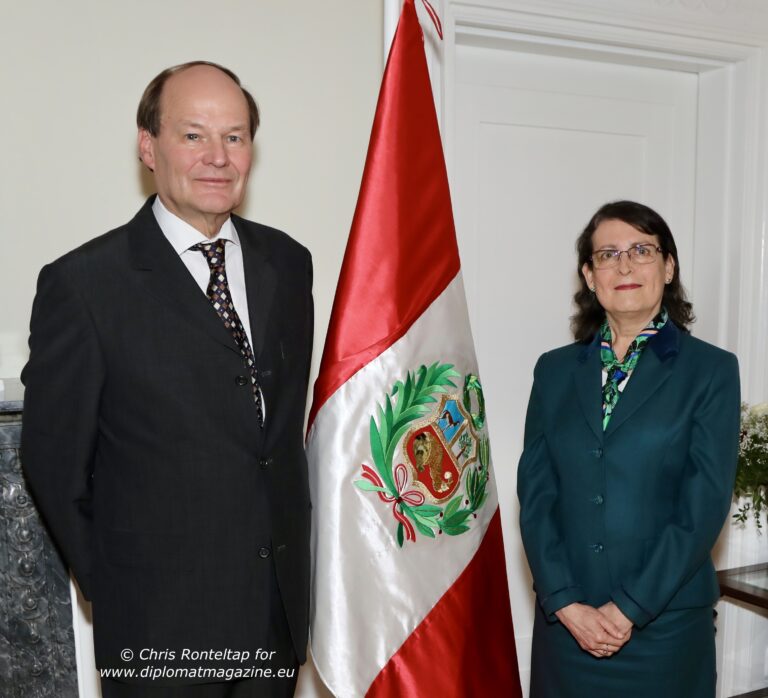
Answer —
600 631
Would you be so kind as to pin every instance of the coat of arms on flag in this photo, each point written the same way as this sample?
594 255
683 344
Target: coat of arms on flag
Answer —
441 478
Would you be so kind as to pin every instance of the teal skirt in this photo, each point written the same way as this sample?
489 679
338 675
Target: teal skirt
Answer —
671 657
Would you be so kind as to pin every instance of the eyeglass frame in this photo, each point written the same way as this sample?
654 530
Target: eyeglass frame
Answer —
617 256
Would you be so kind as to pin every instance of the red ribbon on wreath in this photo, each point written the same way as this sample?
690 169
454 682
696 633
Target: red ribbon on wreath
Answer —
412 497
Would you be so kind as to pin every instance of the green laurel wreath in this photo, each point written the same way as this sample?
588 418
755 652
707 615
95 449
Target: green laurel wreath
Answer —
414 395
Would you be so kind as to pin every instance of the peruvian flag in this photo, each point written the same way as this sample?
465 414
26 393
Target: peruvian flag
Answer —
409 590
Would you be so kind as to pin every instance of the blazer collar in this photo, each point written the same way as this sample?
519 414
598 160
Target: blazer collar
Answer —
165 276
665 343
653 369
260 281
587 377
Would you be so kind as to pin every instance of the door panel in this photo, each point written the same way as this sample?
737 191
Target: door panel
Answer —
540 142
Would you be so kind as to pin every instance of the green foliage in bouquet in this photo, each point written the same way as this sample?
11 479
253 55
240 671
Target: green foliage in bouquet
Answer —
752 470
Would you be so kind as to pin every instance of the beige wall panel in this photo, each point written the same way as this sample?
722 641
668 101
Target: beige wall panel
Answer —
71 77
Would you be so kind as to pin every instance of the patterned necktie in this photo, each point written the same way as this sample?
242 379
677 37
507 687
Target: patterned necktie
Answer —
221 299
617 371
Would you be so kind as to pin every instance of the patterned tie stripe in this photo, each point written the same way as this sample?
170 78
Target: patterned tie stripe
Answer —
220 297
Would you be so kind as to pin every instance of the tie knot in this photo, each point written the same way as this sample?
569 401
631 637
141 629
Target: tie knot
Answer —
213 252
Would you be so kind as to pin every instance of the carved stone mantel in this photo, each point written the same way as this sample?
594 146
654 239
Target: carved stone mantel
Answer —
37 647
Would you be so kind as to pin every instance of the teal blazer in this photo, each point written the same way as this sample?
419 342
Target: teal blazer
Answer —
629 515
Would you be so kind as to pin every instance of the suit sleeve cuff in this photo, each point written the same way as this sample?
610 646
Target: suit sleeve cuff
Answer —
560 599
630 608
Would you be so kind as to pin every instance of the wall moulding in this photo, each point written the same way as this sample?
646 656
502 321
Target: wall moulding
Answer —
741 21
693 53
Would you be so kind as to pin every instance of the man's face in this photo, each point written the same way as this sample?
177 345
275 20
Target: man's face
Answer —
202 154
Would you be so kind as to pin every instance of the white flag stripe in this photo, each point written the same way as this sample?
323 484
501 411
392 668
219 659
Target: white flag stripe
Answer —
368 593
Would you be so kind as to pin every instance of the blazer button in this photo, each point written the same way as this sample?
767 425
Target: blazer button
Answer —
241 380
597 499
264 553
265 463
597 547
597 452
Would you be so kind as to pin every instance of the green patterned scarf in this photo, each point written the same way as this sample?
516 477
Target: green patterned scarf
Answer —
619 370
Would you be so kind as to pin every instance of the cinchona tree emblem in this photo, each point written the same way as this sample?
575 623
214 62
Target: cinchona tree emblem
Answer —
430 452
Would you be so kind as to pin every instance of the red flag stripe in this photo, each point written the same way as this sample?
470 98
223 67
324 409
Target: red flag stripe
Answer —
402 250
465 646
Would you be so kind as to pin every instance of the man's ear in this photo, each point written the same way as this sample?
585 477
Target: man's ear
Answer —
146 149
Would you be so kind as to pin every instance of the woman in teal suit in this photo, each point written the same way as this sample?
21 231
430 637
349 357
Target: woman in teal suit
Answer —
626 476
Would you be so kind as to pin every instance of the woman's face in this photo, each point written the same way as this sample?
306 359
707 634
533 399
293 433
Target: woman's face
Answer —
629 290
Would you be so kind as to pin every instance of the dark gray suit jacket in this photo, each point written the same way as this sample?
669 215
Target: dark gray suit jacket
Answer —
141 445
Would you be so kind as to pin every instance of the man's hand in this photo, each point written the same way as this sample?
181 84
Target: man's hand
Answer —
595 632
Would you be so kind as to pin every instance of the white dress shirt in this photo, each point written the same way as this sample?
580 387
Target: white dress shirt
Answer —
183 236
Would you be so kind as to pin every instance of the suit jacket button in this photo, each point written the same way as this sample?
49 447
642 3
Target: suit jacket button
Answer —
264 463
597 499
597 452
241 380
264 553
597 547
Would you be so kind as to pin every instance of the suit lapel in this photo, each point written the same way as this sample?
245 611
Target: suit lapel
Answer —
587 379
655 366
164 275
260 282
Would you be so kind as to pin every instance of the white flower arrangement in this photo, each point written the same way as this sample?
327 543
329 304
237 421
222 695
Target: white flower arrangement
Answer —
752 470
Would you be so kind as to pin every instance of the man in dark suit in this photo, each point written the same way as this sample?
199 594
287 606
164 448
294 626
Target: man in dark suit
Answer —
165 396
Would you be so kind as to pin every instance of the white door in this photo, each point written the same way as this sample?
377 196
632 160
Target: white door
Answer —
540 142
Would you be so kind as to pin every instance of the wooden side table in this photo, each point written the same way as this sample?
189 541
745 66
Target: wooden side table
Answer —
748 584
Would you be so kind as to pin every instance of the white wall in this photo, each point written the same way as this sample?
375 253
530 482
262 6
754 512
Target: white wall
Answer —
71 77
